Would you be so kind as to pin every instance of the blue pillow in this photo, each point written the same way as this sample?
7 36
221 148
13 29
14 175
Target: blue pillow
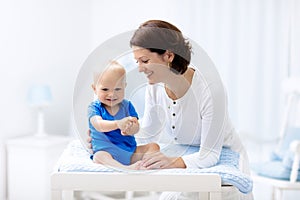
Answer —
280 165
292 133
273 169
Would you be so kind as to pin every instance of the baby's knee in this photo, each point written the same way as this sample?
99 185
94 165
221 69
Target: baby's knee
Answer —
101 156
154 146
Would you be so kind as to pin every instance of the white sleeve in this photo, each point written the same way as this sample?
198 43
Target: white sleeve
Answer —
153 119
213 109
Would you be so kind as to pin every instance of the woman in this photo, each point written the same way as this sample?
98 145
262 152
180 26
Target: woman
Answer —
183 105
194 106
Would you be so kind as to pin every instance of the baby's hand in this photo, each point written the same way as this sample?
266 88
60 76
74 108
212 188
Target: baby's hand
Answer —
125 124
133 128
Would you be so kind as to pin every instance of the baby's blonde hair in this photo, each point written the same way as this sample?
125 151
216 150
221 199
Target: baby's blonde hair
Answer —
112 67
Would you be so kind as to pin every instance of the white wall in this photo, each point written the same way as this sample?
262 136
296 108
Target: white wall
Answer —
41 41
114 17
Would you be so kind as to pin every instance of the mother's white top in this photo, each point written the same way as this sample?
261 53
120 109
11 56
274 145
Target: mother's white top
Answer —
199 118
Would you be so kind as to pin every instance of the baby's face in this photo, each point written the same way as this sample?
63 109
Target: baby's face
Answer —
110 88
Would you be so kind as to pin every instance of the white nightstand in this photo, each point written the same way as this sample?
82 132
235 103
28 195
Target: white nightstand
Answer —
30 161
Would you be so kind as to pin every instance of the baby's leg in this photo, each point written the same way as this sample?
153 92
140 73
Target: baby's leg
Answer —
152 148
102 157
105 158
144 149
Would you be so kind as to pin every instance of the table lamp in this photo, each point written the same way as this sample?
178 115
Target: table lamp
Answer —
39 97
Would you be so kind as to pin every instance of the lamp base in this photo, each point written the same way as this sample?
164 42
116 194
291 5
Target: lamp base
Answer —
40 122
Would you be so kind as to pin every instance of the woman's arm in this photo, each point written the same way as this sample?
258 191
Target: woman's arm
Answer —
214 125
153 119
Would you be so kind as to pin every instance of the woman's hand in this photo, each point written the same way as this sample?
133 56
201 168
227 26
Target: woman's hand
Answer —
160 161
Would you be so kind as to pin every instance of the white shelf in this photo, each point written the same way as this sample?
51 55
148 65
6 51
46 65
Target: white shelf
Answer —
30 161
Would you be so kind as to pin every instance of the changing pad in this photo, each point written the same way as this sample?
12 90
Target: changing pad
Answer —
76 158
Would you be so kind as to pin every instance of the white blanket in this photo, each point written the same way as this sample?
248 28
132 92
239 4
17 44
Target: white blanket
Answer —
77 159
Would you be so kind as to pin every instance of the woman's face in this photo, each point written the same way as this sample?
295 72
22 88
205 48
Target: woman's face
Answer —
153 65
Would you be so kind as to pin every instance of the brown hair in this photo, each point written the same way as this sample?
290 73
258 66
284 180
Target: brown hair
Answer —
159 36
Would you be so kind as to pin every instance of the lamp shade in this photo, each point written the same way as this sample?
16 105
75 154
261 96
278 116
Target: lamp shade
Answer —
39 95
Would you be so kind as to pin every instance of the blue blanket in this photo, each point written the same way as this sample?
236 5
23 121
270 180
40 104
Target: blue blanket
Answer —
76 159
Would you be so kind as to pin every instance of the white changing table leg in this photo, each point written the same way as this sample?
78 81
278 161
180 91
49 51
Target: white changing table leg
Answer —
204 195
215 196
129 195
210 195
56 195
68 195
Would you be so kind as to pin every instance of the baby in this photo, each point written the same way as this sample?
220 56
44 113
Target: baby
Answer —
113 122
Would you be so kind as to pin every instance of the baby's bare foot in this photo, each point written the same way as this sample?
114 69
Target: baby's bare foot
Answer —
136 166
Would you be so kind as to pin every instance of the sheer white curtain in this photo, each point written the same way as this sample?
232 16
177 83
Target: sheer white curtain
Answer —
249 43
295 39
